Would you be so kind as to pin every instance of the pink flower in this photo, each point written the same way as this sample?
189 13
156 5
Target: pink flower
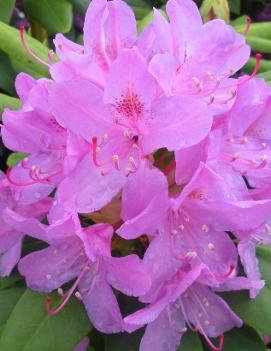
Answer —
16 222
85 255
34 131
126 123
189 58
114 30
185 303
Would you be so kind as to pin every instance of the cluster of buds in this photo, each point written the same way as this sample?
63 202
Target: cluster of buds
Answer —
145 138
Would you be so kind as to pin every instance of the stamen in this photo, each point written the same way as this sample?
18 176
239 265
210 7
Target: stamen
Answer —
14 182
212 99
133 163
197 83
227 274
60 292
116 160
51 55
29 51
213 347
248 26
211 246
68 296
78 296
255 71
205 228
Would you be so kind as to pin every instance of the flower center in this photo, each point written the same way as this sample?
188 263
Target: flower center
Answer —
130 105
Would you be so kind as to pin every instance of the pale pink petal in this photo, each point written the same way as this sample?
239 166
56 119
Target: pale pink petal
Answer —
114 29
185 22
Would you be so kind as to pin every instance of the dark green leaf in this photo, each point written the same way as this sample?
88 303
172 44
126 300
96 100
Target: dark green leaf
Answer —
235 6
11 44
141 8
264 256
30 328
15 158
6 8
190 341
7 282
7 74
8 299
80 6
244 339
54 15
123 342
256 313
10 102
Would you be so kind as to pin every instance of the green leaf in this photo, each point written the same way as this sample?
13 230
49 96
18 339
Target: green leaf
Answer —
10 102
242 20
80 6
141 8
54 15
15 158
256 313
221 10
205 9
264 256
190 341
259 44
11 44
6 8
7 74
123 342
244 339
265 65
235 6
266 75
8 299
30 328
7 282
144 22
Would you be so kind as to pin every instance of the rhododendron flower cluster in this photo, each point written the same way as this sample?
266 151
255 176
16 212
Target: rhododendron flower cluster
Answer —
149 138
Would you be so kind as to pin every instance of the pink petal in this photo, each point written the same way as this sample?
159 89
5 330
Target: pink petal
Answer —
185 22
144 201
50 268
102 307
115 28
82 99
177 123
10 258
162 334
88 196
127 275
131 72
